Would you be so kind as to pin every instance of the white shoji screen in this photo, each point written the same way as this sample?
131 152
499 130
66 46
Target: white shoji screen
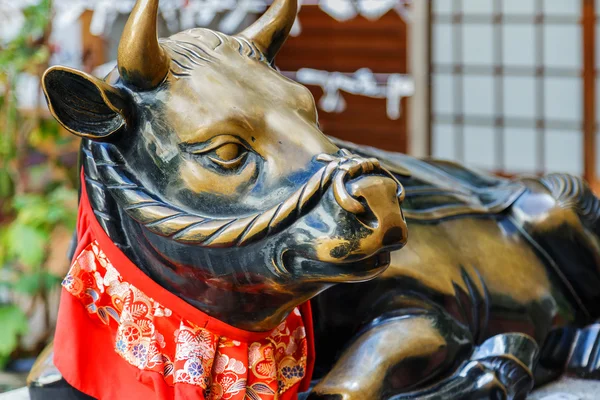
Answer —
506 84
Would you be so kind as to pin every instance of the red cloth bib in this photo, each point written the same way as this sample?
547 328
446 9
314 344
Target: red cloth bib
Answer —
122 336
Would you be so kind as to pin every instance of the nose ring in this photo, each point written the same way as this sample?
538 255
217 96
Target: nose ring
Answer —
349 166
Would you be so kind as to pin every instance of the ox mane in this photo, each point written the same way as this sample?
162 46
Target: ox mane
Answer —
197 47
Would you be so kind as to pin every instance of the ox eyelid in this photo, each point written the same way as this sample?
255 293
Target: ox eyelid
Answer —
211 144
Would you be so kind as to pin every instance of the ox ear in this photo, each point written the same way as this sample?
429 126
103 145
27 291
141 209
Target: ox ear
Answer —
84 105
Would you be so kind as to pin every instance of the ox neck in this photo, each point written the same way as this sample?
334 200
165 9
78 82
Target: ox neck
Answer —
253 308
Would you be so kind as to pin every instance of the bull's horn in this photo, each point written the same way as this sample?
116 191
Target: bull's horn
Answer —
271 30
141 60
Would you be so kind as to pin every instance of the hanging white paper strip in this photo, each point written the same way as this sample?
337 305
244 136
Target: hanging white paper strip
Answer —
185 14
375 9
344 10
363 82
178 14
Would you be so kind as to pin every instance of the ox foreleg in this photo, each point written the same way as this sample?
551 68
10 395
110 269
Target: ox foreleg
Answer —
395 355
426 356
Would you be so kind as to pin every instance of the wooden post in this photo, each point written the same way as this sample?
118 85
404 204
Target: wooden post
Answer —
419 116
589 90
93 50
429 50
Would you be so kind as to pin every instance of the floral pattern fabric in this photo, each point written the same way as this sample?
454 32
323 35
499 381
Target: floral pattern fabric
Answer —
153 338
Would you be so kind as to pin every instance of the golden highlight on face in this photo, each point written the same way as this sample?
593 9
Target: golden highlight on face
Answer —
243 118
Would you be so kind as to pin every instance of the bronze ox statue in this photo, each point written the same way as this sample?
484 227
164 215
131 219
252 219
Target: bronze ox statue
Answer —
208 169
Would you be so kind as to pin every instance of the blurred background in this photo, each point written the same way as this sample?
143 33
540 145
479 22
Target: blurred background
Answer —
506 86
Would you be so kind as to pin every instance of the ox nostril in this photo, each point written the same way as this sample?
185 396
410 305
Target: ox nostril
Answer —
379 197
393 236
367 217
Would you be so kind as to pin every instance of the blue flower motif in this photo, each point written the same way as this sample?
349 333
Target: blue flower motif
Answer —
121 346
139 351
194 368
298 371
68 280
287 372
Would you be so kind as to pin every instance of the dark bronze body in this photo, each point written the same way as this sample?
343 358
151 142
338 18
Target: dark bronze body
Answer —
485 257
207 168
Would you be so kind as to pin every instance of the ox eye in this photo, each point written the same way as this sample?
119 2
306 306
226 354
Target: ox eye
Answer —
226 152
229 155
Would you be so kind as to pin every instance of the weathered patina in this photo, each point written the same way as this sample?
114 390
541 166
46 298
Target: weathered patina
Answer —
208 169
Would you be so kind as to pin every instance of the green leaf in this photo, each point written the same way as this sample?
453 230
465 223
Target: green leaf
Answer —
63 202
51 281
27 244
36 211
27 200
32 283
14 324
4 251
6 185
29 284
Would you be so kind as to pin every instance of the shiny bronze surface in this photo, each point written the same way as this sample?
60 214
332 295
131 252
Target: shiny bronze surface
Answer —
480 263
214 179
271 30
138 45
